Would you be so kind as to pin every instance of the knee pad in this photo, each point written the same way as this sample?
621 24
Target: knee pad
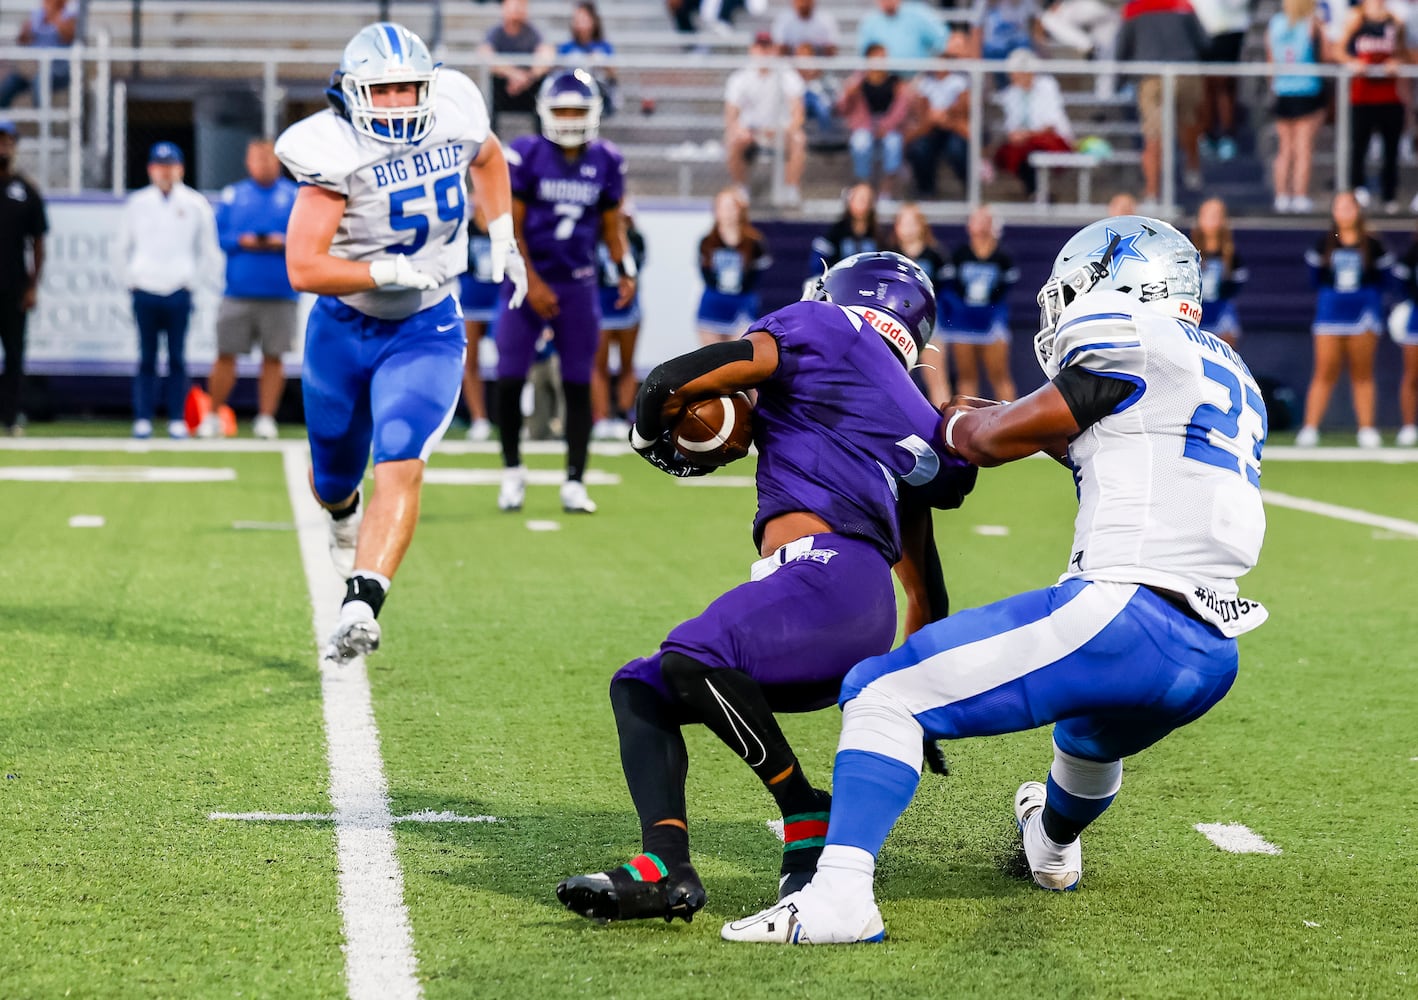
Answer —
1086 779
875 723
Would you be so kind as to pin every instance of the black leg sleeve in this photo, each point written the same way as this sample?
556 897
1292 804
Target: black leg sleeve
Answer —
654 759
509 419
578 428
733 707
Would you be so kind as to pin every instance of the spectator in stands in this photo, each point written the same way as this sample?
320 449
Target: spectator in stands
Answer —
169 244
682 14
478 295
803 24
856 231
587 49
820 94
977 283
1373 46
1293 38
1165 31
22 227
1122 203
1349 266
613 397
940 125
911 236
907 29
51 25
1034 118
1002 26
732 260
1222 271
1090 27
515 81
875 104
259 307
1406 271
762 102
1225 21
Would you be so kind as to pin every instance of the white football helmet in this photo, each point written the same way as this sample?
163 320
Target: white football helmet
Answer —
575 89
385 53
1144 258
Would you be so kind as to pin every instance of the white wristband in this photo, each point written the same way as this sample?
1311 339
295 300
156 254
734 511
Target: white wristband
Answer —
950 428
627 265
636 441
500 228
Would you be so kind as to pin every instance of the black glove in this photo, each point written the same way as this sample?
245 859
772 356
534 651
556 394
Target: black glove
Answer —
663 455
935 757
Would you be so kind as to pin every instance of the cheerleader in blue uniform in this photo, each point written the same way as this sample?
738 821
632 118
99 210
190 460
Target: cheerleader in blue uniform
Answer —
732 259
912 237
477 293
619 327
855 232
975 317
1406 334
1349 267
1222 271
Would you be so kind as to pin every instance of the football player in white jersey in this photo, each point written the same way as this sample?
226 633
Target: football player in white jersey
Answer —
379 233
1162 426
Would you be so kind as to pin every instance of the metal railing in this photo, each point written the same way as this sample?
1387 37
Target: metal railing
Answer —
101 70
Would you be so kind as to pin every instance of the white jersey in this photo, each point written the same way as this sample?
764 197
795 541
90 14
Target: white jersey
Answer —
409 199
1169 483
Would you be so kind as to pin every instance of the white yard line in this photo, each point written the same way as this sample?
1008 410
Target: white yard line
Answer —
379 944
1234 838
1350 514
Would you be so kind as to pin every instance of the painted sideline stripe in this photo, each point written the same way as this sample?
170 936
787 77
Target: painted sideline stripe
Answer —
422 816
1236 839
379 944
1351 514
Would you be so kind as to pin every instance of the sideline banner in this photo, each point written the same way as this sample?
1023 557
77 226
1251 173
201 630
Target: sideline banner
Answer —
83 323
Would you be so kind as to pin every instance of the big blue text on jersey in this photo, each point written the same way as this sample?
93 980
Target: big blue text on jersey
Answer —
420 164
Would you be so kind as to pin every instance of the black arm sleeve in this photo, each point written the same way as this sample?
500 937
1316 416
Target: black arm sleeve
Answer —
667 378
1090 396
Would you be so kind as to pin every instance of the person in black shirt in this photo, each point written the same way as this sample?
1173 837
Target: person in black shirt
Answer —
22 228
855 232
975 317
912 237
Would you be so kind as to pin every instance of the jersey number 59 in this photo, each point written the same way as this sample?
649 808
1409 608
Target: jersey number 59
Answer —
448 204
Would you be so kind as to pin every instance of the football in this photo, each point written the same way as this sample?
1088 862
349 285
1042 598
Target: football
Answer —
715 432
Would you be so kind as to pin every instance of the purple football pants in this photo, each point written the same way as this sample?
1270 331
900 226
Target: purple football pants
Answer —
576 331
797 631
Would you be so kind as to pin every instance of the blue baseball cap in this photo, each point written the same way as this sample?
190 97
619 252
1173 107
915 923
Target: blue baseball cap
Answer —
7 127
165 152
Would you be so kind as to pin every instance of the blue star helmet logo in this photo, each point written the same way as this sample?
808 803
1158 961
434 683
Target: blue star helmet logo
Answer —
1126 248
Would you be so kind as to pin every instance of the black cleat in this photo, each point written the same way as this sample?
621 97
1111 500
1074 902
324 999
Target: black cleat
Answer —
617 895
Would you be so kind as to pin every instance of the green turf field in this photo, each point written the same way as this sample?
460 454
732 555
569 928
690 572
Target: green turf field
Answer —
162 667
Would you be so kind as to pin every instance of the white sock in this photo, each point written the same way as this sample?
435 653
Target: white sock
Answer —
845 873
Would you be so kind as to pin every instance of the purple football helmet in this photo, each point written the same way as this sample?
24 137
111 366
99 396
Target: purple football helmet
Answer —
569 106
891 293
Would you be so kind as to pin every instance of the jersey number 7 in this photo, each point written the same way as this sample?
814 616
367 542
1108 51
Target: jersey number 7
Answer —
1245 400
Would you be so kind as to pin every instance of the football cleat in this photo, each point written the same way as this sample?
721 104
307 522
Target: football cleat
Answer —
514 489
264 427
357 637
619 895
575 499
344 537
807 918
1054 867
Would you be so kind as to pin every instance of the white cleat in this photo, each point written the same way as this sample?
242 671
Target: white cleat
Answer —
514 489
354 638
480 430
142 429
575 500
1309 437
1369 437
344 537
805 917
1407 436
1053 867
264 427
210 427
177 430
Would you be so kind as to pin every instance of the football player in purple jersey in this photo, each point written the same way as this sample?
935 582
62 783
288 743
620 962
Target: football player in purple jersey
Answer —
567 188
847 474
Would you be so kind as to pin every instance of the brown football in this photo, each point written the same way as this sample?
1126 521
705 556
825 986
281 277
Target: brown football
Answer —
715 432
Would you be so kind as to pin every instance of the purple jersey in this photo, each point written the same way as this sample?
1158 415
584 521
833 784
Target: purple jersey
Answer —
840 425
564 201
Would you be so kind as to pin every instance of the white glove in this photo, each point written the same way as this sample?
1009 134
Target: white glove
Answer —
398 271
507 260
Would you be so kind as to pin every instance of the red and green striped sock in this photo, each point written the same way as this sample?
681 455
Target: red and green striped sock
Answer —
804 830
646 868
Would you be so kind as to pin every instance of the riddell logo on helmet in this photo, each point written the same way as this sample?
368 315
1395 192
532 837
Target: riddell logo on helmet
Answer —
1190 311
890 328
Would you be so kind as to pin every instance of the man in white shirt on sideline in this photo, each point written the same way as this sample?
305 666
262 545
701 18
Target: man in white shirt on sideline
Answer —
761 100
169 241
